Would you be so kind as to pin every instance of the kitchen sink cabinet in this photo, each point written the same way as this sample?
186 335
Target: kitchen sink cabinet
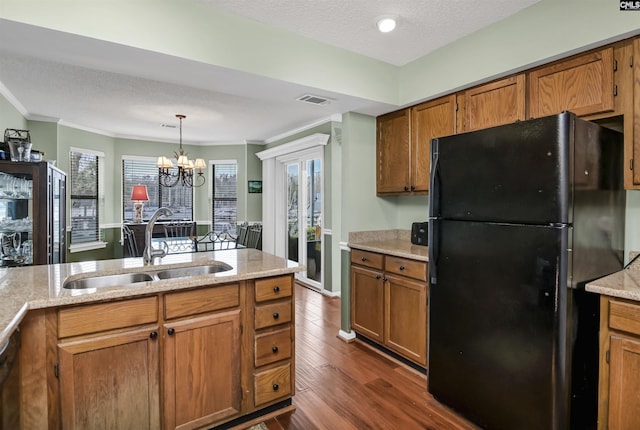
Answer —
618 402
202 366
389 303
108 365
496 103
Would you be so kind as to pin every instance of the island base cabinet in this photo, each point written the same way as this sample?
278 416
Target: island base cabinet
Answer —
110 381
202 370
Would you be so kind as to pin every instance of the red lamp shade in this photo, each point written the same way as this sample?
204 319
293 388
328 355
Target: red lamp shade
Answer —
139 193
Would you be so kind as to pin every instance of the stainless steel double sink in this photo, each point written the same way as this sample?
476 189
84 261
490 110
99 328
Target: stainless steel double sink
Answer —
131 279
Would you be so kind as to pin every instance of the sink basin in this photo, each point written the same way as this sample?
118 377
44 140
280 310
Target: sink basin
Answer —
181 272
107 281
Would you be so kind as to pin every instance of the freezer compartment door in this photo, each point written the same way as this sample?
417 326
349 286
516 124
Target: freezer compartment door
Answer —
497 348
512 173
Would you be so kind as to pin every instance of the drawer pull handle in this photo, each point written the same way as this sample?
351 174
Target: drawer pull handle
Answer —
171 331
276 315
275 387
153 335
274 349
364 259
276 289
401 267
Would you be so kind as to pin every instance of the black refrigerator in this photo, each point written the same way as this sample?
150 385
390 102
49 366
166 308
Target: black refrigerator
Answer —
521 216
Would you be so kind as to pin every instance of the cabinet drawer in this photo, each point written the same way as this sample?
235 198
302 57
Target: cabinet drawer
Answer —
405 267
624 316
209 299
272 384
273 288
273 346
273 314
107 316
366 258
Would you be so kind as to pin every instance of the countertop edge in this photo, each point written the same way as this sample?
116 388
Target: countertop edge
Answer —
624 284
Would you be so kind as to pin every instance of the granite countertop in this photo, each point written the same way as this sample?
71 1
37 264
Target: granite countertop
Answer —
624 284
36 287
390 242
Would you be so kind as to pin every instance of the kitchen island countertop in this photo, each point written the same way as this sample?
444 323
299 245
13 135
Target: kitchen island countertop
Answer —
36 287
390 242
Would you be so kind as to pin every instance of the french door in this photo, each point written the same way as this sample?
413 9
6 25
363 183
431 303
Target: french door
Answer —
304 207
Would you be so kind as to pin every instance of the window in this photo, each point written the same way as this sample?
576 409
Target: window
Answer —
84 165
224 196
143 171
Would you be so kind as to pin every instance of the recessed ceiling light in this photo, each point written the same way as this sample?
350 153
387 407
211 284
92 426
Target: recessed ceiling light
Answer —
385 25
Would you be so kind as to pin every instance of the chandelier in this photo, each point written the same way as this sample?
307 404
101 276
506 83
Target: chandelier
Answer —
186 167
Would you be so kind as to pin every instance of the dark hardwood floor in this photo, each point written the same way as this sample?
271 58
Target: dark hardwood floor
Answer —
342 386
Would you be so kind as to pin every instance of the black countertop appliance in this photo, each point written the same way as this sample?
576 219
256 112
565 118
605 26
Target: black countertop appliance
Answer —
521 217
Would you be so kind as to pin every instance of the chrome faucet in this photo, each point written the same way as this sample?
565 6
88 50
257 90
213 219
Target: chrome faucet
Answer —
149 252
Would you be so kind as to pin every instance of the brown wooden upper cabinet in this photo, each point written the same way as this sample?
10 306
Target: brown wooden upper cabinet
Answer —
583 85
393 152
496 103
403 144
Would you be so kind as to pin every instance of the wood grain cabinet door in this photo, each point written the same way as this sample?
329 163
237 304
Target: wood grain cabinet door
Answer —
496 103
367 302
624 402
583 85
392 152
110 381
436 118
202 370
406 318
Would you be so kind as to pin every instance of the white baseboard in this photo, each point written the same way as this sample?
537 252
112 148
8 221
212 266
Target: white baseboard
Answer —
330 293
347 336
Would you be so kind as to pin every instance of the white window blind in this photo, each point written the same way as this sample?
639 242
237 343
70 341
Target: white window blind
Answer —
84 196
145 172
225 197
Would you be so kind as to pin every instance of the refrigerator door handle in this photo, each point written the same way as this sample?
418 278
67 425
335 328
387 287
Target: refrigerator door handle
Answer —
434 186
434 242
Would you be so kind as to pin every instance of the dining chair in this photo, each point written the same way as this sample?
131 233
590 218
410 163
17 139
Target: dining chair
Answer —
129 240
180 230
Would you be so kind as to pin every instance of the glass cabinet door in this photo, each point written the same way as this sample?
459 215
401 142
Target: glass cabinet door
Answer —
16 219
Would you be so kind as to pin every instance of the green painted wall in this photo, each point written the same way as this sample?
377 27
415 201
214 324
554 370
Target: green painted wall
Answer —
10 117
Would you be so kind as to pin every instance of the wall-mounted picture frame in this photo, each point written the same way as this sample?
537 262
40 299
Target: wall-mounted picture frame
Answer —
255 187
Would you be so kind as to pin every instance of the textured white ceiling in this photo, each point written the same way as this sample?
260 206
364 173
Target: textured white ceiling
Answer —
423 25
127 92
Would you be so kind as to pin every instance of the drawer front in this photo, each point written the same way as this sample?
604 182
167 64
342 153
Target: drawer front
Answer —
107 316
624 316
273 314
199 301
405 267
273 384
366 258
273 288
273 346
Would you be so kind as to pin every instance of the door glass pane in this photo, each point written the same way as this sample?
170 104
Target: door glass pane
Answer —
313 220
292 211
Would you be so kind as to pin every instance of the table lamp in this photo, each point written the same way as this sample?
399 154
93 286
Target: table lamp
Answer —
138 195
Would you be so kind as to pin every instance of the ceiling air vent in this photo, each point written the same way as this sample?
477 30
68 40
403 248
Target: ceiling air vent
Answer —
314 100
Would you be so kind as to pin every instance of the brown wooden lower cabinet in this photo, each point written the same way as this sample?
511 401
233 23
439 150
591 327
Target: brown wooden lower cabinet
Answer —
389 302
618 401
189 359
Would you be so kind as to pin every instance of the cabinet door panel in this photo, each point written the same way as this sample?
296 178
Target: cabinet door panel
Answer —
202 370
496 103
624 402
367 301
406 318
582 85
392 152
436 118
110 381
